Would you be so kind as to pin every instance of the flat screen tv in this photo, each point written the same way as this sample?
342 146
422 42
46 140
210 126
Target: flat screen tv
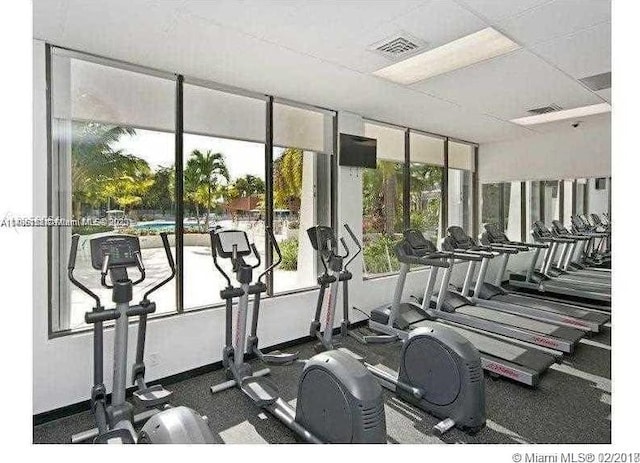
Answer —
356 151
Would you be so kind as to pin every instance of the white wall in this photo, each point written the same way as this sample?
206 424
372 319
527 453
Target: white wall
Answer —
562 153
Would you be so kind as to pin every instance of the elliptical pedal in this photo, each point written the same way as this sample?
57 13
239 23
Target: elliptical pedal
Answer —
280 358
153 396
259 389
365 336
115 436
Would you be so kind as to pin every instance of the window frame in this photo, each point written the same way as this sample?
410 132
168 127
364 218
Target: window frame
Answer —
406 209
180 80
55 265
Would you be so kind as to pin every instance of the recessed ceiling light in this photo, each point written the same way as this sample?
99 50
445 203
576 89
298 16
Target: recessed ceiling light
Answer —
479 46
565 114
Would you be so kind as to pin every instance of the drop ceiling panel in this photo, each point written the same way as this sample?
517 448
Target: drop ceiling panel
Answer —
49 18
507 86
495 10
475 127
288 23
556 19
438 22
335 31
101 27
582 54
304 52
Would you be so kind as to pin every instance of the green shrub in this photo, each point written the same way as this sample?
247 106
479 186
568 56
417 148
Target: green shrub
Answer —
379 256
91 229
289 250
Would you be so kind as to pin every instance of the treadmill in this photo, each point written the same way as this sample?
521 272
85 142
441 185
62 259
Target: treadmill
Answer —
489 304
496 297
567 260
500 355
541 233
598 256
543 286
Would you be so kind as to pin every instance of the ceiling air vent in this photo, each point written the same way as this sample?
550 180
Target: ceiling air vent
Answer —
597 81
544 110
397 47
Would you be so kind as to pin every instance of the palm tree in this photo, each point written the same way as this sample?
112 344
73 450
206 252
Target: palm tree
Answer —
207 169
94 162
287 179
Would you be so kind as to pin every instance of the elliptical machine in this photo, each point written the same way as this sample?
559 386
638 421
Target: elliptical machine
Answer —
440 370
338 400
113 255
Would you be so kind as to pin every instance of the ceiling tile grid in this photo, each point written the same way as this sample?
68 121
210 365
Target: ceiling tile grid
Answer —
317 52
507 86
556 19
582 54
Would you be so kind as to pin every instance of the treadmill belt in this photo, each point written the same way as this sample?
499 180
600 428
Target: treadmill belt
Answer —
554 307
508 319
576 292
531 358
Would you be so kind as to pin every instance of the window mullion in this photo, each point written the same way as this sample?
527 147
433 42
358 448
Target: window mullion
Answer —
179 193
268 162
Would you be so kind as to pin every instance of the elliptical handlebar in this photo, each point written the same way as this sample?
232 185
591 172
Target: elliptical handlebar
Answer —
346 248
357 243
167 250
274 242
71 267
214 254
257 256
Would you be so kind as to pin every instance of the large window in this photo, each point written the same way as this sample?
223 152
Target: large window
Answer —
113 165
501 205
301 190
461 167
111 172
426 169
382 191
223 182
545 200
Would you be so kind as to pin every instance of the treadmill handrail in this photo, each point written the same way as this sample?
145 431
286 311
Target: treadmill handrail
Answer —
467 255
506 249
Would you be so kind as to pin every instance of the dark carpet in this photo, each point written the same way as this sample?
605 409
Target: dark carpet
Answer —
571 405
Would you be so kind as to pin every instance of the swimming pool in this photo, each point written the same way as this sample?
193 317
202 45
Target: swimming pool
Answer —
160 225
164 225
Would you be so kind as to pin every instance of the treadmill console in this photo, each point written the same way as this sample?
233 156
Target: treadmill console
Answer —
458 239
418 243
494 234
541 230
121 249
559 228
